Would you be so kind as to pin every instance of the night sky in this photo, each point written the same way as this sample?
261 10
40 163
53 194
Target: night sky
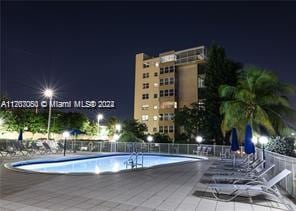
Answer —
87 50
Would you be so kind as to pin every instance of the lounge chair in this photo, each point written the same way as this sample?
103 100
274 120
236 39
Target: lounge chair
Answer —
47 147
21 148
243 178
250 189
197 151
237 171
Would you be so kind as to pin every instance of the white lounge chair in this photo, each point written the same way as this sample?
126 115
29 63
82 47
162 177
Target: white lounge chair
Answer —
251 189
243 178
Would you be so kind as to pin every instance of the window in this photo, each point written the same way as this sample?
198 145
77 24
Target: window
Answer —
145 65
155 118
145 75
160 117
145 107
171 128
155 96
155 84
172 92
171 116
154 129
161 93
156 74
145 96
155 107
161 82
161 129
172 69
145 117
145 85
166 69
161 70
166 81
166 117
172 80
166 92
201 81
165 129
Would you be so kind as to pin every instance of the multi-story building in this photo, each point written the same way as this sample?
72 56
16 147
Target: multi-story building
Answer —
165 83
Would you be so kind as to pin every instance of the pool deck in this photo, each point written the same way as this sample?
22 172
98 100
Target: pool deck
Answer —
170 187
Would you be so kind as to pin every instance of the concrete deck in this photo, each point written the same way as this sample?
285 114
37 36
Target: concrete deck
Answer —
170 187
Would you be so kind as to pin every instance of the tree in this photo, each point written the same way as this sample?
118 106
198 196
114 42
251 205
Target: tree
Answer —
111 125
192 120
161 138
219 70
259 99
133 131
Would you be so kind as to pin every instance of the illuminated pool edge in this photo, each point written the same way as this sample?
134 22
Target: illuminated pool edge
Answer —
13 166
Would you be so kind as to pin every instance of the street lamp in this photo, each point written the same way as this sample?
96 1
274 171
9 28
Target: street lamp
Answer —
149 139
263 141
66 135
198 139
99 118
49 94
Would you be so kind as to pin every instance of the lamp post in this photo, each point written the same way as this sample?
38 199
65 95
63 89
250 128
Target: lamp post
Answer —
49 93
66 134
198 139
99 118
263 141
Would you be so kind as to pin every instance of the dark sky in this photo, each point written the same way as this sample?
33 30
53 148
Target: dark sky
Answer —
87 50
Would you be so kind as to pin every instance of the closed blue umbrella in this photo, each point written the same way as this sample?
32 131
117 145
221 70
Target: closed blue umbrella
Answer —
20 137
234 140
234 143
249 145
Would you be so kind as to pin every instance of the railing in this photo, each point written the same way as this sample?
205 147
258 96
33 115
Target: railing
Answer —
282 162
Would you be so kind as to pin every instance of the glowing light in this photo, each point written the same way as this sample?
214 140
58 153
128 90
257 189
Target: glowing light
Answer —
115 167
115 137
48 93
66 134
97 170
255 140
293 134
149 138
118 127
263 140
100 117
198 139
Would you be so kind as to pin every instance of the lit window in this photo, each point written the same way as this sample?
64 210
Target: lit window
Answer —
156 64
201 81
155 107
145 107
155 84
145 117
175 105
155 118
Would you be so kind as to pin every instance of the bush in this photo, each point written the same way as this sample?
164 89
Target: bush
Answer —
282 145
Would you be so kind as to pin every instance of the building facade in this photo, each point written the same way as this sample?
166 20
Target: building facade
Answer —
166 83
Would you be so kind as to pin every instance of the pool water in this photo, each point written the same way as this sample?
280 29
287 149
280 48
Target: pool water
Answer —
97 165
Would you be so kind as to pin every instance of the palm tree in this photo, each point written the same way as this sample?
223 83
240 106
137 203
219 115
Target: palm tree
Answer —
259 99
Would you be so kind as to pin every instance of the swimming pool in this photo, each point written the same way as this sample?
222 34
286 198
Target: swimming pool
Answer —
99 164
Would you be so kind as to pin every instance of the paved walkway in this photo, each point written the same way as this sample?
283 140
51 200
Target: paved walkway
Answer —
170 187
